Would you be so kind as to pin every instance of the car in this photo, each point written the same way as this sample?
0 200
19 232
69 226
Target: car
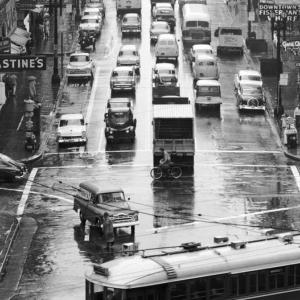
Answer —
164 12
247 75
129 56
164 74
80 67
157 28
11 170
119 102
131 24
91 23
166 48
71 130
250 96
93 11
100 5
122 79
199 49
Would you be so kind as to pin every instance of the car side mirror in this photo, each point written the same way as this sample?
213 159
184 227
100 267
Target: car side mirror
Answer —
216 32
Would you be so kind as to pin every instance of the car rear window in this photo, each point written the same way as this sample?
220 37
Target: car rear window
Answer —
79 58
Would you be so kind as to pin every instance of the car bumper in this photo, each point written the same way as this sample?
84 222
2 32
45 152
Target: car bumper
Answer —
119 135
125 224
253 108
124 30
122 88
75 140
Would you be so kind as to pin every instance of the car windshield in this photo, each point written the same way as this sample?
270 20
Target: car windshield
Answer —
231 31
251 90
165 72
119 117
159 26
112 197
79 58
90 21
208 91
91 13
73 122
251 77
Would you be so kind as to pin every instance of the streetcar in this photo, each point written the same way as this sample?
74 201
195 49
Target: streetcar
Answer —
268 268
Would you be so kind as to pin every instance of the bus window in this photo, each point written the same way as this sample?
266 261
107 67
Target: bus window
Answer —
293 275
276 278
253 282
178 291
198 289
216 288
242 284
262 281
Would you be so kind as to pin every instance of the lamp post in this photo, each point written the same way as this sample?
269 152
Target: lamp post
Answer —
55 76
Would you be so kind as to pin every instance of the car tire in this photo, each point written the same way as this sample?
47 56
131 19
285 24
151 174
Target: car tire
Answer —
82 218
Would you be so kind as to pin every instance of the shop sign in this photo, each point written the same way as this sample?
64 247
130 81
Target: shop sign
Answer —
20 63
292 11
293 46
4 45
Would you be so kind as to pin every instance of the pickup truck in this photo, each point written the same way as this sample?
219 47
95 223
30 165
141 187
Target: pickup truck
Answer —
173 130
153 2
92 201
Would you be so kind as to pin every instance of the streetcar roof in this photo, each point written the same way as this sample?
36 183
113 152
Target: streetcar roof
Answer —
96 189
170 111
137 271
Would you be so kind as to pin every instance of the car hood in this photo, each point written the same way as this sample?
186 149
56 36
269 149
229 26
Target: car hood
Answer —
121 207
71 130
251 96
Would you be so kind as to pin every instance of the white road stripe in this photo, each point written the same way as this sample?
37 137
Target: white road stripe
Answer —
296 175
26 192
100 141
20 123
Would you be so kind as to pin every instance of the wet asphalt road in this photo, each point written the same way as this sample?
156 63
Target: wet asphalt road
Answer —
240 173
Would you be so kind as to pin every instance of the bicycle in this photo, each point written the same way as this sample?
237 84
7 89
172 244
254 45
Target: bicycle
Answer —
174 172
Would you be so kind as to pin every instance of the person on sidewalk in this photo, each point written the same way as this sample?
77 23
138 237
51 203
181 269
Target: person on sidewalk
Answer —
108 231
10 84
32 87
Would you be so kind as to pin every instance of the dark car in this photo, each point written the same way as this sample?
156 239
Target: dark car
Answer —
11 170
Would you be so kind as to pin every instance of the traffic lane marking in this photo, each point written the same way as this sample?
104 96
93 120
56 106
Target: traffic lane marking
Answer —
296 175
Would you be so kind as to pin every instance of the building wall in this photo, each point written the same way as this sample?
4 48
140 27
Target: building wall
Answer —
8 17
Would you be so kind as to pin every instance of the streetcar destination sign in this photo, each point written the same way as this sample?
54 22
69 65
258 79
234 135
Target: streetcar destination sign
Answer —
22 62
292 11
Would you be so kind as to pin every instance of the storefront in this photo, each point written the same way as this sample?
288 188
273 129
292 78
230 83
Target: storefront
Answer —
8 17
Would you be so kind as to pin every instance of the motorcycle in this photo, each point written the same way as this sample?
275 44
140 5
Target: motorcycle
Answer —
86 40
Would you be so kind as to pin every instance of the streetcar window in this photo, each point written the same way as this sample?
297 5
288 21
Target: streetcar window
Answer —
294 275
178 291
276 278
198 289
297 274
253 282
217 287
262 282
242 284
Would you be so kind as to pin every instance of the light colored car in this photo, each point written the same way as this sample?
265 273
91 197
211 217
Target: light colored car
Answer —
80 67
93 11
99 5
250 95
91 23
129 56
164 12
131 24
164 74
157 28
71 130
199 49
247 75
122 79
11 170
166 48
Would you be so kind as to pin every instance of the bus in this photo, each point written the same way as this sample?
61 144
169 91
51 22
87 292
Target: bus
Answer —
268 268
195 25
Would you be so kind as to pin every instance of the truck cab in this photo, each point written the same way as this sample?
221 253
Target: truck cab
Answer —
119 120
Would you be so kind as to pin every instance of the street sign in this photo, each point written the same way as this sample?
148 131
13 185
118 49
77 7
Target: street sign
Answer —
251 16
284 79
20 63
292 11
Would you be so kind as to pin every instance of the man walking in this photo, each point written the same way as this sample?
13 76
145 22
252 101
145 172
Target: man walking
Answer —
108 231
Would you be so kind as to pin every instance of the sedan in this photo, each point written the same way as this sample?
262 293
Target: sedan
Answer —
199 49
11 170
129 56
157 28
123 79
251 75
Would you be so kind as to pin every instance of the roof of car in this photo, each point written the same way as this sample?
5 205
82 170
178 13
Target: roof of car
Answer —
128 47
250 82
91 9
164 66
249 72
123 68
201 46
97 189
163 4
90 17
208 82
204 56
167 36
119 100
71 116
131 15
159 22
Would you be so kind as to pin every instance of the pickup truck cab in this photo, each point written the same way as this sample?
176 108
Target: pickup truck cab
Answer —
123 79
131 24
71 130
92 201
208 95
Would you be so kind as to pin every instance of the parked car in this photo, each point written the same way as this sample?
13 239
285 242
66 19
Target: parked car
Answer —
71 130
80 68
164 12
11 170
199 49
157 28
131 24
91 23
251 75
129 56
92 201
250 96
166 48
123 79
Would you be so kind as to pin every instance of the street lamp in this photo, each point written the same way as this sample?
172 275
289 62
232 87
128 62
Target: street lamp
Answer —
55 76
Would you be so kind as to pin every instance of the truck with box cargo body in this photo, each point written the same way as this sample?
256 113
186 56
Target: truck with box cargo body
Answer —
173 130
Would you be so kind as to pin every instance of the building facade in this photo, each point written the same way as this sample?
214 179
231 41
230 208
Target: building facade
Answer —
8 17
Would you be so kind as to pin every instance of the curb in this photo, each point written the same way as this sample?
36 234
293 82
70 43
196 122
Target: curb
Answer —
32 158
291 156
4 256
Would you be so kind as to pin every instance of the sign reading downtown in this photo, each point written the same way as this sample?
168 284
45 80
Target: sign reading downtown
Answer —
22 62
292 11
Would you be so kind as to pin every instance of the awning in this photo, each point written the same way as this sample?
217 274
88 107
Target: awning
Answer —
20 37
15 49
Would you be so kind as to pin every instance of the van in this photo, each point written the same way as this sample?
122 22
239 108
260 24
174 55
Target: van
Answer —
166 48
205 67
92 201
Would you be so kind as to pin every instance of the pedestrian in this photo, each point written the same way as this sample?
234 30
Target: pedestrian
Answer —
108 231
13 82
10 84
32 87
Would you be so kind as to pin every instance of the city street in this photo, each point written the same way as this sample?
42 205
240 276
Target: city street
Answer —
241 182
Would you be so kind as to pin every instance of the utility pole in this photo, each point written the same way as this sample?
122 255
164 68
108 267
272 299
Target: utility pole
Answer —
55 76
249 22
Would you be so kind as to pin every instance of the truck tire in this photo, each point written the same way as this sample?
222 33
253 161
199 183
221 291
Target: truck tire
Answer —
82 218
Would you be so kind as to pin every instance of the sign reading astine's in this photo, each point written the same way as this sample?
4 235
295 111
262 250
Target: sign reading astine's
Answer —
292 11
20 63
